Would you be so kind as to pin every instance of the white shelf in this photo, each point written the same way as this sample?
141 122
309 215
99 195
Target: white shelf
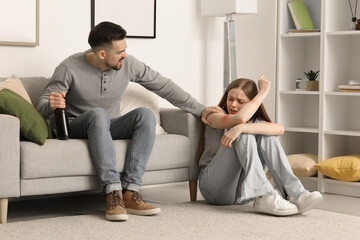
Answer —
300 92
301 35
298 110
355 133
302 129
325 122
356 94
341 187
300 141
343 33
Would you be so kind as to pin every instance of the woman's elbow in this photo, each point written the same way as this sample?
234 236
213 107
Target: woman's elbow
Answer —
241 120
281 130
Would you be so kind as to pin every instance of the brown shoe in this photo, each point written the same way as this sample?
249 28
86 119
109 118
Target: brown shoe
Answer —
136 205
115 207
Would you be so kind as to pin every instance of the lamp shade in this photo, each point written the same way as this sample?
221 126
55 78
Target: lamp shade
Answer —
220 8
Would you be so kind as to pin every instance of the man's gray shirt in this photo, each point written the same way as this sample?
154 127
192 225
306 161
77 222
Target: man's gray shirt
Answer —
87 87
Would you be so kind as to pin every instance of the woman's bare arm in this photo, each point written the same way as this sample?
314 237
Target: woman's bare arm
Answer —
223 120
263 128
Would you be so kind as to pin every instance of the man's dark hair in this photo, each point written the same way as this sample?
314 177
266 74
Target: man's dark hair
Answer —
104 33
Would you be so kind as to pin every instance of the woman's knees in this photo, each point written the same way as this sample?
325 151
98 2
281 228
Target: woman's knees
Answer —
245 139
267 139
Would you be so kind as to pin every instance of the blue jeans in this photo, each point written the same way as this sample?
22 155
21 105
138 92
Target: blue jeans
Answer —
137 125
237 175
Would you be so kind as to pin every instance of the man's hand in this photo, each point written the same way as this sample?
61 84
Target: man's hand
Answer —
57 100
208 111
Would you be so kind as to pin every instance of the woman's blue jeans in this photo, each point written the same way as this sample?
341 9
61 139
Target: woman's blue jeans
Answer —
237 175
137 125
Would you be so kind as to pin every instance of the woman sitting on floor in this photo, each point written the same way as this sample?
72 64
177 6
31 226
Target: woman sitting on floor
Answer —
237 148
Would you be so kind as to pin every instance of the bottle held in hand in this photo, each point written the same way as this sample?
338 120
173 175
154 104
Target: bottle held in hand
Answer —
62 124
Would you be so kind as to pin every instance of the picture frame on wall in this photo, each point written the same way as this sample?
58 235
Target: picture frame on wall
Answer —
137 17
19 23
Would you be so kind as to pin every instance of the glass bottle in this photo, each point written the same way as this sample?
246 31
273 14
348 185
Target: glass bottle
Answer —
298 86
358 25
353 23
62 124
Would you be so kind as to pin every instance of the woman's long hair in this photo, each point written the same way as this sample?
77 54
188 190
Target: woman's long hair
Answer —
249 88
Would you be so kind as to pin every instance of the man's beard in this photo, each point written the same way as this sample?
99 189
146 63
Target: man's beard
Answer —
115 67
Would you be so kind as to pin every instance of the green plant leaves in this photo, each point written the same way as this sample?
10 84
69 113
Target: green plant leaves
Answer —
312 75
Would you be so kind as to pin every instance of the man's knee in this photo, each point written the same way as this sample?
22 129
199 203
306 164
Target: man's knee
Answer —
145 115
99 116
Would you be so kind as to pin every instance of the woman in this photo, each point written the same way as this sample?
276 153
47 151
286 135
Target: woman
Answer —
239 145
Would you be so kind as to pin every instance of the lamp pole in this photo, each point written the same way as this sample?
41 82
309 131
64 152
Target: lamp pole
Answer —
229 51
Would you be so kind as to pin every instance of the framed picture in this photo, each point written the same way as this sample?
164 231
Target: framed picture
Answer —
19 22
137 17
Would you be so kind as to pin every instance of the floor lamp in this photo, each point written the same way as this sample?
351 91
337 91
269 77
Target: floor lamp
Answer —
227 9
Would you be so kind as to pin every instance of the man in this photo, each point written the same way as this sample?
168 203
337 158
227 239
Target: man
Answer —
92 83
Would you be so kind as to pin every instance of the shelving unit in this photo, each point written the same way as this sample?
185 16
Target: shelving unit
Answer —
325 122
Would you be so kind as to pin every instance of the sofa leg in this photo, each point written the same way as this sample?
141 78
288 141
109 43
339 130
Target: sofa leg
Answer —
193 189
3 210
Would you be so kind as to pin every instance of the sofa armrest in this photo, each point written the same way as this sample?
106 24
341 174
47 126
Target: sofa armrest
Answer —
9 156
176 121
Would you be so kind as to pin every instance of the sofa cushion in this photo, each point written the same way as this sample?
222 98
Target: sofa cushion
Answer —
32 125
344 168
71 157
302 164
136 96
34 90
14 84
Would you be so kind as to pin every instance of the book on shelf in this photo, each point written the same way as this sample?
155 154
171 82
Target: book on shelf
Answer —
300 15
349 88
354 82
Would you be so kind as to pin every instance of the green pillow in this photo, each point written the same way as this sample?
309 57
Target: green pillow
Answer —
33 127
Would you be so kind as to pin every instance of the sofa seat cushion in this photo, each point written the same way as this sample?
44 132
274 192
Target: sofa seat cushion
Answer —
58 158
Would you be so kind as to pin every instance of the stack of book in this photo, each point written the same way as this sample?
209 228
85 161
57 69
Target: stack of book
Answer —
352 86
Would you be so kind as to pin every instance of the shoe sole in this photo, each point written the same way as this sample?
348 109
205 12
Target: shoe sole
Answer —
148 212
276 212
117 217
315 201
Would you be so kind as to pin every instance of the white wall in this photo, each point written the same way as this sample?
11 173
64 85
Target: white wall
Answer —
64 26
255 48
256 42
188 48
177 52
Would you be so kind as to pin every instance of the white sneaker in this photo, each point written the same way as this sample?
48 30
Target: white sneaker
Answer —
308 200
274 204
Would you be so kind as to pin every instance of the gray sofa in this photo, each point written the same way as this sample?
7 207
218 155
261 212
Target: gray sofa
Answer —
28 169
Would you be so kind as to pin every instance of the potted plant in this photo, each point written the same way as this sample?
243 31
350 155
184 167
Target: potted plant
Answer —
312 84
